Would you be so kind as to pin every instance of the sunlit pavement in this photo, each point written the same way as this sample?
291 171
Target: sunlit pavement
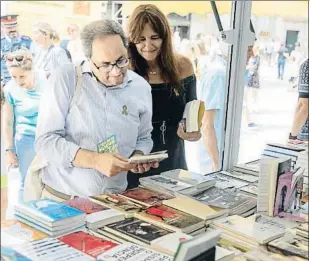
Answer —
276 106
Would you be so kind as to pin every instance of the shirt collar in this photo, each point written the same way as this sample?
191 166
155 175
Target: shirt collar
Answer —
127 80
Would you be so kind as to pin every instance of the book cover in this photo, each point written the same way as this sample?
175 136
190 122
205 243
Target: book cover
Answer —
251 189
189 177
87 243
133 252
14 232
194 207
170 243
49 209
296 247
249 229
220 198
283 193
172 217
241 176
149 158
85 205
51 249
118 203
138 229
165 183
9 254
145 196
224 182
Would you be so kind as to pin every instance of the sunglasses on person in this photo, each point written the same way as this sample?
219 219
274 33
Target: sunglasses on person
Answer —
17 58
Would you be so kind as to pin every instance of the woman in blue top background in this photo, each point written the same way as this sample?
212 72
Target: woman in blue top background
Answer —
20 111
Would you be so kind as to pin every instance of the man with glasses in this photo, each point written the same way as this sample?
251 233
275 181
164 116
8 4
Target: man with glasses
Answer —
10 41
86 135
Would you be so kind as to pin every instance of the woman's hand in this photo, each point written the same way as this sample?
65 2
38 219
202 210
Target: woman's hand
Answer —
189 136
11 159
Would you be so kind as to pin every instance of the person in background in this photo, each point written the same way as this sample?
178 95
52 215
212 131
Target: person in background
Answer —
87 132
282 55
301 117
213 84
74 46
11 41
47 56
20 111
173 83
295 61
253 68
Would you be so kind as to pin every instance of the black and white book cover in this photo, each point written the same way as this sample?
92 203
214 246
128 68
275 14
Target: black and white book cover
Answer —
224 182
221 198
138 229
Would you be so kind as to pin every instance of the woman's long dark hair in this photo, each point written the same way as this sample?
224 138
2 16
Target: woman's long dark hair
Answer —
166 59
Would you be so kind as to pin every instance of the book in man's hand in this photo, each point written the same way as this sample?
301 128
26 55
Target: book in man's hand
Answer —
149 158
192 116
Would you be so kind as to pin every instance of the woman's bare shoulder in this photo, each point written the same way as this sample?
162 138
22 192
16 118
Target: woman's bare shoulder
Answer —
185 66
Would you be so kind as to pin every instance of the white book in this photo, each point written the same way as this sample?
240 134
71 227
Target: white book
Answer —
133 252
283 150
249 229
102 218
192 115
241 176
196 246
170 243
224 181
148 158
270 169
189 177
222 254
51 249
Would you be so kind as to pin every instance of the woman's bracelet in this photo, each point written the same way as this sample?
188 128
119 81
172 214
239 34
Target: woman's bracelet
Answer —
10 149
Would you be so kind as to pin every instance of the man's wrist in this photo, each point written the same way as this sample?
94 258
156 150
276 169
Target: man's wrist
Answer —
10 150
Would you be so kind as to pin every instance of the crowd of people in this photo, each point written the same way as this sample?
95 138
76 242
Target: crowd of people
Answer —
64 100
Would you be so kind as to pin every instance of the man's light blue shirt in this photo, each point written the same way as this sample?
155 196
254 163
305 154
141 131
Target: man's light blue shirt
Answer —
95 115
212 93
25 103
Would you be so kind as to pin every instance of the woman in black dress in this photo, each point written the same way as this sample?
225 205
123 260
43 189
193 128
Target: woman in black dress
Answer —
173 83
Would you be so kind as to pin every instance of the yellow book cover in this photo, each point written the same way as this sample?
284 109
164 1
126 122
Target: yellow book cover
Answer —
194 207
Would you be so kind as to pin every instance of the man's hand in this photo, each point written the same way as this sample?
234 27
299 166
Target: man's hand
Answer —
111 164
141 168
189 136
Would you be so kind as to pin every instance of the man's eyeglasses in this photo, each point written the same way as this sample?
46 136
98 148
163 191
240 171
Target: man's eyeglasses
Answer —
107 67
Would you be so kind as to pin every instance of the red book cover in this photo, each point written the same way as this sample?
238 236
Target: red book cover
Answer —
85 205
87 243
145 196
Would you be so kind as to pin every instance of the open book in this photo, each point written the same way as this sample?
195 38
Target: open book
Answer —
148 158
192 115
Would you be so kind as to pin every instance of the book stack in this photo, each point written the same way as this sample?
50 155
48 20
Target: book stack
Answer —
250 232
226 181
276 150
47 249
50 216
279 188
178 181
96 215
251 167
233 201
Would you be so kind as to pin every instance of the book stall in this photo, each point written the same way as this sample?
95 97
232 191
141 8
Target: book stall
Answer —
255 211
